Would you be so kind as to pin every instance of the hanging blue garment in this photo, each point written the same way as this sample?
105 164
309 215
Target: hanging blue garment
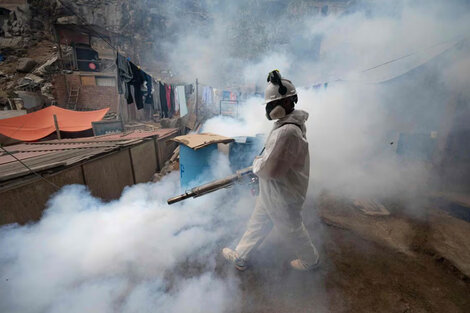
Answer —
207 97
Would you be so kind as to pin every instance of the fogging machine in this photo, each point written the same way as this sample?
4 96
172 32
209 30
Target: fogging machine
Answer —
241 176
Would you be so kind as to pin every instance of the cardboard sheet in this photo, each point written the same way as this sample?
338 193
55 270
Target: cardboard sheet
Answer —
198 141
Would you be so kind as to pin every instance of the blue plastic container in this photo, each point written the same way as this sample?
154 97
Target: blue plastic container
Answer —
193 163
244 150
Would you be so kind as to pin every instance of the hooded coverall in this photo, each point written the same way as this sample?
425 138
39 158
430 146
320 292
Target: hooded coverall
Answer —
283 171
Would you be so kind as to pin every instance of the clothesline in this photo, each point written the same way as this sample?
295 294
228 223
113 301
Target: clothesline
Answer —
154 96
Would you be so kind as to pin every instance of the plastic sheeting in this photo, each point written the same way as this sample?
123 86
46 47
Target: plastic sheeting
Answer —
39 124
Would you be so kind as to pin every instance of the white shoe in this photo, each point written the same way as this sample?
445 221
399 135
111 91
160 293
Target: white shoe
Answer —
300 265
232 256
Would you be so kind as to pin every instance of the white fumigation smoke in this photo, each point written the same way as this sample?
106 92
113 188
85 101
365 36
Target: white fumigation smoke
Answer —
132 254
129 255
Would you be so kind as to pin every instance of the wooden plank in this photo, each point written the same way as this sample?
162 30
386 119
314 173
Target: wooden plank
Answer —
166 147
108 175
26 202
144 161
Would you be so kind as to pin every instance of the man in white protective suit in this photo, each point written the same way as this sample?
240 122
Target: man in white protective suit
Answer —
283 171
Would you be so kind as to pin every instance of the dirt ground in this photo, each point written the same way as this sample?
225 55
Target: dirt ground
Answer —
356 276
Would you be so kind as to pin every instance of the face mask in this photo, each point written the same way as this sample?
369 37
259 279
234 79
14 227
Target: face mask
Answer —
277 113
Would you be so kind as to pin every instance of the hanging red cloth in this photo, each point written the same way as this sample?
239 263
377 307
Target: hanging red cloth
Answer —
168 96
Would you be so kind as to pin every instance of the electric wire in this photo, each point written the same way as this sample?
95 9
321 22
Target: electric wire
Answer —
31 170
85 23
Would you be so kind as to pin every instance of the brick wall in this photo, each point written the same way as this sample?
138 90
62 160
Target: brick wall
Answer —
90 97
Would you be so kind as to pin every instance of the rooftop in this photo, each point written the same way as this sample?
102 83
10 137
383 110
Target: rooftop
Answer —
52 154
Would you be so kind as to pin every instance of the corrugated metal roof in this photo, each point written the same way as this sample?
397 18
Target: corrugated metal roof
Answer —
162 133
53 153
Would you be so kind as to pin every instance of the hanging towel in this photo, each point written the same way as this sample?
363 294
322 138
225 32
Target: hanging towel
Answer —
182 99
177 99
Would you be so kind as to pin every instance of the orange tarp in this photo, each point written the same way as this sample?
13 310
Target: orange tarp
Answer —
39 124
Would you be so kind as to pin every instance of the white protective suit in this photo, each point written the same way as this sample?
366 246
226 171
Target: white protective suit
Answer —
283 171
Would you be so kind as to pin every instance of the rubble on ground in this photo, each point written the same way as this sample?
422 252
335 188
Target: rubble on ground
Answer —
25 65
49 67
171 165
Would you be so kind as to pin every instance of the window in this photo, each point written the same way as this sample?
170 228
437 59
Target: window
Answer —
88 80
105 81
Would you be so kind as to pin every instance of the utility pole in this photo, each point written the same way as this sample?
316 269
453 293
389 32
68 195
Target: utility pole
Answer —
197 98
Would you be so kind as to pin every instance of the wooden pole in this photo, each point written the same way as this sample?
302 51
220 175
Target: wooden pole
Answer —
197 96
57 130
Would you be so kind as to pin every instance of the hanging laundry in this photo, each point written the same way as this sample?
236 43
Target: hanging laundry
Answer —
163 101
177 99
181 90
188 89
137 81
217 98
233 96
168 99
207 96
226 95
172 100
124 75
157 107
149 89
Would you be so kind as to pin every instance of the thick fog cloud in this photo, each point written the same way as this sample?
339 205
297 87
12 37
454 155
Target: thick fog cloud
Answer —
129 255
132 254
390 68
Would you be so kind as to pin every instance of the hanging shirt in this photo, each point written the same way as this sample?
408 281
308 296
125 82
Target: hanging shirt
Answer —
182 99
137 81
163 102
124 74
149 89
